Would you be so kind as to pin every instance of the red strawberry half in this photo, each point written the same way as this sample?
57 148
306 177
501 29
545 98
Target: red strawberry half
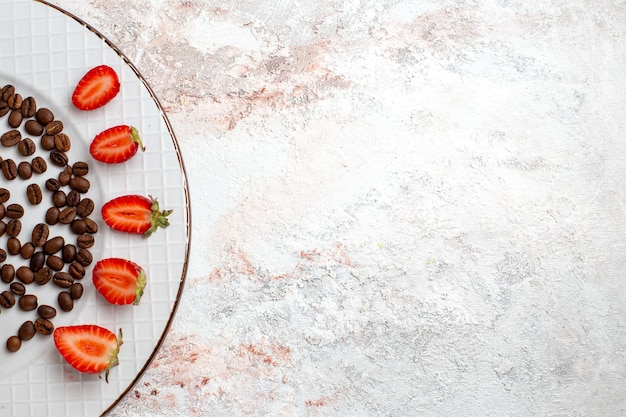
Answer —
88 348
116 144
135 214
96 88
119 281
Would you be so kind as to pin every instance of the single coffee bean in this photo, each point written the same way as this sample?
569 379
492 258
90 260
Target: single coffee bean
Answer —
85 241
73 198
46 312
85 207
24 170
68 254
28 302
76 270
10 138
17 288
58 158
76 290
52 216
9 169
65 301
92 226
13 246
44 326
40 234
3 227
26 331
53 184
65 175
15 118
59 198
37 261
29 107
14 343
3 255
33 127
34 194
55 263
27 251
15 211
15 101
6 92
25 275
78 226
26 147
3 211
47 142
4 195
7 273
84 257
39 165
7 299
4 108
63 279
67 215
80 169
53 245
54 127
80 184
44 116
62 142
43 276
14 227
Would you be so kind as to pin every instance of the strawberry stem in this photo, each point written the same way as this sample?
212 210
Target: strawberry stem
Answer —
158 218
136 138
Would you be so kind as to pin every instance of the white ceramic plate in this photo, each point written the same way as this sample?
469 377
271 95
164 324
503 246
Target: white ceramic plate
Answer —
43 53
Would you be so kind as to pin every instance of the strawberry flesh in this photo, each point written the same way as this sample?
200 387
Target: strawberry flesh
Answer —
120 281
135 214
97 87
116 144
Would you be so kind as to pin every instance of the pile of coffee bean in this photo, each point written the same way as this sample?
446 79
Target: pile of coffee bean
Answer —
41 258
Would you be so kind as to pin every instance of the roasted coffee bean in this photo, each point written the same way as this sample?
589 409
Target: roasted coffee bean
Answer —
14 211
10 138
4 195
3 213
85 207
26 331
59 198
7 299
44 326
43 276
40 234
24 170
55 263
76 270
92 226
67 215
44 116
3 255
27 251
54 127
9 169
85 241
47 142
15 101
80 169
63 279
53 245
34 194
29 107
6 92
53 185
73 198
3 227
14 227
26 147
4 108
46 312
33 127
76 290
13 246
28 302
65 301
80 184
84 257
7 273
39 165
37 261
52 216
65 177
78 226
15 118
17 288
25 275
68 254
62 142
13 343
58 158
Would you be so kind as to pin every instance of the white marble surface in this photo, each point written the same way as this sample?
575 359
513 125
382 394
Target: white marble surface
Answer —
400 207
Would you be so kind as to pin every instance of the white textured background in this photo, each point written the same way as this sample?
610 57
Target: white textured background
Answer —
400 208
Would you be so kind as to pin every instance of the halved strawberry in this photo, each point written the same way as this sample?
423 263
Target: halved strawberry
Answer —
116 144
88 348
97 87
120 281
135 214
